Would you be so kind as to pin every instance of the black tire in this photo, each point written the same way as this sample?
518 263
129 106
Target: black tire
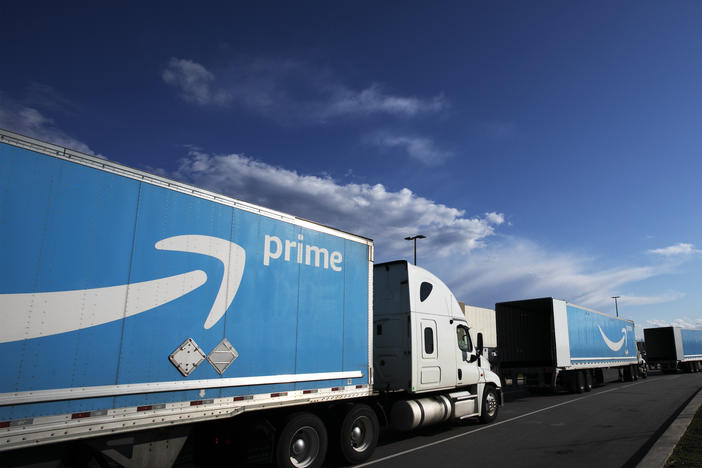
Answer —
358 434
490 406
302 442
588 381
635 372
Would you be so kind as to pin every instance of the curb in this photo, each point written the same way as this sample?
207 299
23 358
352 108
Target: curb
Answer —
661 450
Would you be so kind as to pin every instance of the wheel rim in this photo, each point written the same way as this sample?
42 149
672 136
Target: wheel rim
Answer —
361 434
490 403
304 447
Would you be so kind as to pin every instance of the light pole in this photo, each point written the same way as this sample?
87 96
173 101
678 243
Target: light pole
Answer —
414 238
616 306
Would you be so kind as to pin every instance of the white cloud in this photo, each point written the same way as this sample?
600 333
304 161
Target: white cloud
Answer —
495 218
194 82
369 210
676 250
511 268
373 100
21 118
684 322
421 149
629 300
291 92
481 266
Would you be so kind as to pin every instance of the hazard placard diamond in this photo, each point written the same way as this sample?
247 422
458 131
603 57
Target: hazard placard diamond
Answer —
222 356
187 357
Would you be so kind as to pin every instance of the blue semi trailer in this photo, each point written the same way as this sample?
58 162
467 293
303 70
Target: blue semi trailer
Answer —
674 348
133 304
550 343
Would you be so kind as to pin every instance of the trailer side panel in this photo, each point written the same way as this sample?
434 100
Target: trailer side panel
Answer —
116 292
691 344
596 338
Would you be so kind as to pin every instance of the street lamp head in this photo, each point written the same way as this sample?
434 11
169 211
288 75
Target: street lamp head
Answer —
414 238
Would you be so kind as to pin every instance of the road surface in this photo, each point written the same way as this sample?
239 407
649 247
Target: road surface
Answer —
612 426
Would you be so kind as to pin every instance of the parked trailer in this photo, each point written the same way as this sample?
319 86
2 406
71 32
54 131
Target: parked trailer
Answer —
548 342
674 348
133 307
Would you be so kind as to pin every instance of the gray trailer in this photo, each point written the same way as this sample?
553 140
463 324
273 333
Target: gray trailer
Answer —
674 348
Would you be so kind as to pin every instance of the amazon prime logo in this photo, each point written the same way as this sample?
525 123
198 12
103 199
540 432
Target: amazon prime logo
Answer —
66 311
615 345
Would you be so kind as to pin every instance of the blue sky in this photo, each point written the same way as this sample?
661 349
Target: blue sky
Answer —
545 148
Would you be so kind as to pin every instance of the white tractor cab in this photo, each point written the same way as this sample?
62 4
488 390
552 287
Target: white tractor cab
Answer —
424 359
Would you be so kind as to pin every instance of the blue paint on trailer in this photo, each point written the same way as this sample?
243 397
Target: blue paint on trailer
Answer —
597 337
104 276
692 343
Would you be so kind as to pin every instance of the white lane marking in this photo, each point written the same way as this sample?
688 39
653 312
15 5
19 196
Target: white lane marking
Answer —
457 436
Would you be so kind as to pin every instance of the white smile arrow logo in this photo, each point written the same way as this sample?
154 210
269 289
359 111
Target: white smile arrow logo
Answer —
614 345
31 315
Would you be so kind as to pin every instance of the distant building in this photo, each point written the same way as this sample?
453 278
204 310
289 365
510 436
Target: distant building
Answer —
481 320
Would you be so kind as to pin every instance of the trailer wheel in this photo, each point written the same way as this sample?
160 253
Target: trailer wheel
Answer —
358 434
490 406
588 381
302 442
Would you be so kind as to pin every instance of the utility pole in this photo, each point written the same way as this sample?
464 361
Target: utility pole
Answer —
414 238
616 306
